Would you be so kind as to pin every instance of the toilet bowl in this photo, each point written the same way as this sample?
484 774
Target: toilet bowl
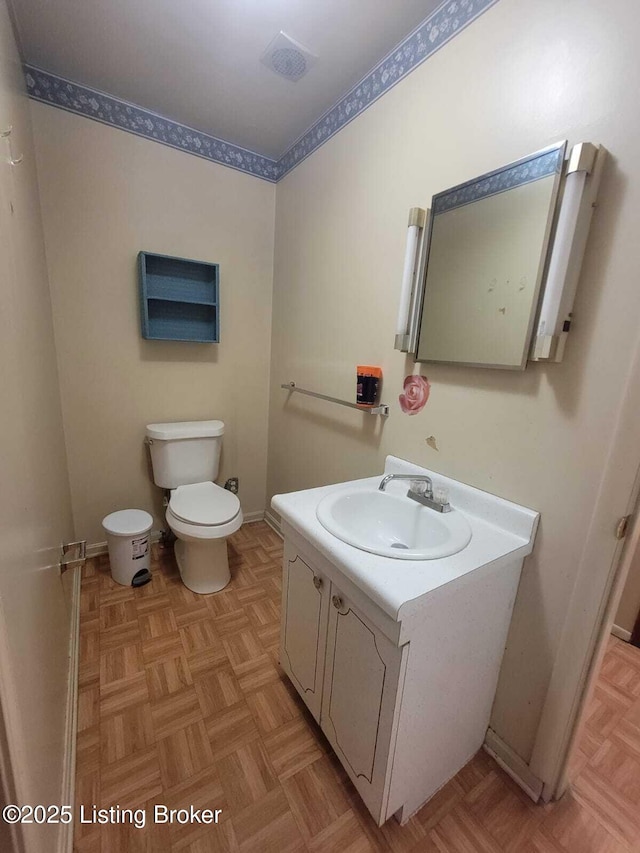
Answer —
202 516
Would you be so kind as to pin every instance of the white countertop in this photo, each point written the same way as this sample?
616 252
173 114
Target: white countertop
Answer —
500 530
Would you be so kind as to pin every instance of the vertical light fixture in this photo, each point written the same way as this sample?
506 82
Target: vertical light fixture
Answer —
405 326
582 179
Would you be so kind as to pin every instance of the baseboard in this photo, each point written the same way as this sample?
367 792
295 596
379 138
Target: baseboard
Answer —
250 517
274 523
621 633
513 765
98 548
65 840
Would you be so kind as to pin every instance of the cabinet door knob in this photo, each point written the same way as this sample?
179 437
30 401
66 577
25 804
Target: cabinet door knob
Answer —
337 602
317 582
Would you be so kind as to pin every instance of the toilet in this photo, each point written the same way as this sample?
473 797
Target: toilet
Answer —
185 457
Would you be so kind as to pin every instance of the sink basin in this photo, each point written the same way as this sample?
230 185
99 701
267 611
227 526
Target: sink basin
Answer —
392 526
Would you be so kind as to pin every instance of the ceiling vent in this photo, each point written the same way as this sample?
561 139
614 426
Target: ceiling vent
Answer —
287 57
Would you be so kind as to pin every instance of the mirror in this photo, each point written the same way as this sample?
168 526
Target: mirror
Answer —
486 251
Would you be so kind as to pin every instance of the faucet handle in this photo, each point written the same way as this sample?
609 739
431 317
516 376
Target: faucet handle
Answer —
441 495
419 487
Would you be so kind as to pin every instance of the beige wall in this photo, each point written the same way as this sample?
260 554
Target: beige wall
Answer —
629 606
522 77
35 511
105 196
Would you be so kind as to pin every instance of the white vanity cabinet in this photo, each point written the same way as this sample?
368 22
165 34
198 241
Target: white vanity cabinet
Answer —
402 713
303 635
362 689
347 671
398 660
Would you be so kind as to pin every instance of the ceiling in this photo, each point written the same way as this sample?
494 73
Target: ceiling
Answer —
198 61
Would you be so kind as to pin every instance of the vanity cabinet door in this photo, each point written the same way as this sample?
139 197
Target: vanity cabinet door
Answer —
305 603
360 706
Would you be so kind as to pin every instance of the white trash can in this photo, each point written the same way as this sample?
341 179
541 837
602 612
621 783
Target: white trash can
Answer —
128 540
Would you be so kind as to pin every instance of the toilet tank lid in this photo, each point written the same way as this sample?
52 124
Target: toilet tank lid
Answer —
185 429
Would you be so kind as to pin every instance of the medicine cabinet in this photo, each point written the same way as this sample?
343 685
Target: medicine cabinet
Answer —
488 242
490 276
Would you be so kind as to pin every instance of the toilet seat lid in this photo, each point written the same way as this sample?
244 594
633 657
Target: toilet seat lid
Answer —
204 503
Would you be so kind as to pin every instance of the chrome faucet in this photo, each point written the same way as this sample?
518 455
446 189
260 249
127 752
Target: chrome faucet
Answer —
420 490
418 478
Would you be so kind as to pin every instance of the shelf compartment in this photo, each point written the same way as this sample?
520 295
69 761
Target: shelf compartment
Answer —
169 320
178 299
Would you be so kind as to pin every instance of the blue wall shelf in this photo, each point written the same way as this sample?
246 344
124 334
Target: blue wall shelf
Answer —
179 299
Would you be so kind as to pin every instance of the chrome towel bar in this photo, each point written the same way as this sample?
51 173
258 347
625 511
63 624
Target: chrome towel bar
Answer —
381 409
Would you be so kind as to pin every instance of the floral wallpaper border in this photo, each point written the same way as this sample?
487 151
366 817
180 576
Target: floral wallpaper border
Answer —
441 26
50 89
525 171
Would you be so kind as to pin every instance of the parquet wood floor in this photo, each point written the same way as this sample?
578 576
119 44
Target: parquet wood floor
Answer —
182 703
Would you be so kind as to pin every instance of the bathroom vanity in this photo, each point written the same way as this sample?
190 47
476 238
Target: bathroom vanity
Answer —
398 659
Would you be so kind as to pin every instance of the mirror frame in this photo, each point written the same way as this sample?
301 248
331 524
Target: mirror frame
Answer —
546 162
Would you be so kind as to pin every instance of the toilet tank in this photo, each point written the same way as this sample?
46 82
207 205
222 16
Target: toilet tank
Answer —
185 452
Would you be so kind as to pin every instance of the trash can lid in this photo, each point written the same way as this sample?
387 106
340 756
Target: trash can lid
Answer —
128 522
